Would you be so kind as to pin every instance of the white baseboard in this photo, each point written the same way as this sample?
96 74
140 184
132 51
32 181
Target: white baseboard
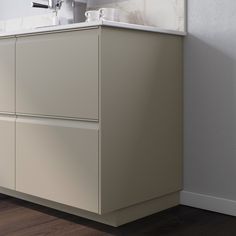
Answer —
207 202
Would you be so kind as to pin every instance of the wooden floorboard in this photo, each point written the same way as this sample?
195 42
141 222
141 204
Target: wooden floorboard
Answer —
21 218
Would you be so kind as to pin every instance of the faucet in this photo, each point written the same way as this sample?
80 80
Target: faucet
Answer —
55 5
65 11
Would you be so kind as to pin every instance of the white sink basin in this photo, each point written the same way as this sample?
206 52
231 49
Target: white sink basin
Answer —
29 22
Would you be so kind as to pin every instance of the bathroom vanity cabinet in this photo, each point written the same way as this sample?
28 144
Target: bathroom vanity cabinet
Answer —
91 121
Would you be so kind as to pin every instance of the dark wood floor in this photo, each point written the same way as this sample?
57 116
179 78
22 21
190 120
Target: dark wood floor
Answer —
20 218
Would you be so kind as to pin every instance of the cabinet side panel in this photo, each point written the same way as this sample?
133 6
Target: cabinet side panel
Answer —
141 117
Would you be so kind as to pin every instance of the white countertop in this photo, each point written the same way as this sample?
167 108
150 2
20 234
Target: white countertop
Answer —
90 24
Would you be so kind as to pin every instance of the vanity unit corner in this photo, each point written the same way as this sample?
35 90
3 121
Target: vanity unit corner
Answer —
91 121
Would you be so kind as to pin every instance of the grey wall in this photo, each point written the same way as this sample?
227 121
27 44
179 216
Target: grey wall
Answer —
210 98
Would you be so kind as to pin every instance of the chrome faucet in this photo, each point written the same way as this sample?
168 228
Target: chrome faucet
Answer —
65 11
54 5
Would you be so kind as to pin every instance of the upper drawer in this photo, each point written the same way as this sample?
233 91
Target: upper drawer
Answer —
57 74
7 75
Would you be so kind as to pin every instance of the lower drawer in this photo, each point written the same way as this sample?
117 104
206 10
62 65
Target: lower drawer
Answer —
58 160
7 152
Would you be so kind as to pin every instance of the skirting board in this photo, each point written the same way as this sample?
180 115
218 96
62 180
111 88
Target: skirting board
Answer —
207 202
116 218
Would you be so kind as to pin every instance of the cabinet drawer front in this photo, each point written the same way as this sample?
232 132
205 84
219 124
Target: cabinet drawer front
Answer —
58 161
57 74
7 75
7 152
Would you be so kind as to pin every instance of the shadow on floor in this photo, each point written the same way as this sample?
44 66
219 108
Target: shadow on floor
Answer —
18 218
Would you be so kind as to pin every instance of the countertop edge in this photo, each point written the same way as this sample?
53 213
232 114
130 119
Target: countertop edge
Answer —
142 28
87 25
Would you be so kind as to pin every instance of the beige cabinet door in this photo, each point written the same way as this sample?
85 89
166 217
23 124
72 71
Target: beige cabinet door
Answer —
7 152
7 75
58 160
57 74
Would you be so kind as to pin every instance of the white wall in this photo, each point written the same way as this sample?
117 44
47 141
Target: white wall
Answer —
163 13
210 106
168 14
16 8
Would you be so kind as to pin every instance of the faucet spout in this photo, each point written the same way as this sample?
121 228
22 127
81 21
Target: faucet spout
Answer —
39 5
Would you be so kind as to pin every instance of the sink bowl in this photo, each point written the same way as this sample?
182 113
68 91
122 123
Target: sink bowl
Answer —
29 22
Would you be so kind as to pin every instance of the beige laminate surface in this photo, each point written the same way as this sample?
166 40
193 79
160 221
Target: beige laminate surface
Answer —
7 152
7 75
57 75
98 121
141 117
58 161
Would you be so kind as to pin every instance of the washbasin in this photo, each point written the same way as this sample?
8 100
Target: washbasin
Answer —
28 23
60 12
